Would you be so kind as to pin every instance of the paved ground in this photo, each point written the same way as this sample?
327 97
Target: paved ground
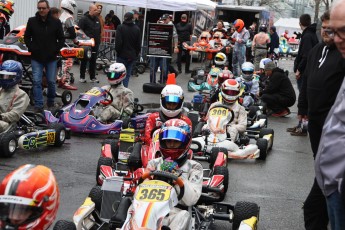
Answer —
279 185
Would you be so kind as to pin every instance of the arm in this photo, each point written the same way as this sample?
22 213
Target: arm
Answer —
302 104
118 39
273 85
60 36
138 43
150 125
28 35
241 124
307 46
193 185
255 87
253 42
128 104
19 106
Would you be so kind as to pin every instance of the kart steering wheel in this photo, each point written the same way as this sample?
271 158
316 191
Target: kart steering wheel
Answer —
166 175
107 101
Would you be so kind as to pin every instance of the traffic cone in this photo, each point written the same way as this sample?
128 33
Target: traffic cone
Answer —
171 79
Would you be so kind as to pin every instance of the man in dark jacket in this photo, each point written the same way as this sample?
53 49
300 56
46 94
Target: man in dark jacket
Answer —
44 38
274 41
279 93
323 77
90 24
127 44
184 31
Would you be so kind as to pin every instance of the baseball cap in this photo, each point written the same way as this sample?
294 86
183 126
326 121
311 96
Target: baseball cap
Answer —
128 16
165 16
184 16
136 12
270 65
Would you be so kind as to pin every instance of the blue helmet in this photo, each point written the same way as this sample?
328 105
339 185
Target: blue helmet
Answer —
10 74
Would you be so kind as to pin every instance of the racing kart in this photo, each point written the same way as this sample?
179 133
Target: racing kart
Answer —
31 132
82 115
105 208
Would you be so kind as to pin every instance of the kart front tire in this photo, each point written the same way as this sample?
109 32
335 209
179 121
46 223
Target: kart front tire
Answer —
244 210
8 145
66 97
263 147
102 161
96 196
222 170
60 133
266 131
64 225
141 69
114 146
134 160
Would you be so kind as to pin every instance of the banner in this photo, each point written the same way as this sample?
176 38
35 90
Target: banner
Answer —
160 38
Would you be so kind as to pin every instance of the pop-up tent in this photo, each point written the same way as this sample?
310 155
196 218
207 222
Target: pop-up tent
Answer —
290 24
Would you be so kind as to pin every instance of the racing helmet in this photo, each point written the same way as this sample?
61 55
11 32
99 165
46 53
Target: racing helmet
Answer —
263 28
10 74
69 5
220 59
172 98
247 69
175 130
224 75
29 198
263 62
239 25
6 7
116 73
230 91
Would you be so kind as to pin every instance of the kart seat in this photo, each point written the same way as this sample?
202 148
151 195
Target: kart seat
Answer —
118 219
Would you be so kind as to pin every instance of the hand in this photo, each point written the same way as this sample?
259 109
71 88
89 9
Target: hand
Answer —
298 75
176 50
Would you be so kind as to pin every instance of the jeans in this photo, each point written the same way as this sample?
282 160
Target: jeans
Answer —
155 62
179 57
336 211
128 64
91 62
37 72
238 58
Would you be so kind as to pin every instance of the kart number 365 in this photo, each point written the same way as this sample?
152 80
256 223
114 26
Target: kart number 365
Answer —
153 193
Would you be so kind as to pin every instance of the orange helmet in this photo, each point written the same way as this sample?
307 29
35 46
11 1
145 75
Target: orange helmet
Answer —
239 25
29 198
6 7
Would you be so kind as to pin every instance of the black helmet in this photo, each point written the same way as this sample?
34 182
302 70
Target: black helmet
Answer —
263 28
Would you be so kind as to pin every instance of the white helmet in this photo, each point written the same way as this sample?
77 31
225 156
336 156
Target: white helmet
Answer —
263 62
69 5
116 73
172 95
230 91
247 69
220 59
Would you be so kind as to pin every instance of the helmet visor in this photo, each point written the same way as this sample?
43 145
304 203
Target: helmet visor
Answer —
114 75
230 92
7 75
172 102
18 214
174 138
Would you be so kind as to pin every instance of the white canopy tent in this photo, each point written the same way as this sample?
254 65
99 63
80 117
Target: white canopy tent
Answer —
290 24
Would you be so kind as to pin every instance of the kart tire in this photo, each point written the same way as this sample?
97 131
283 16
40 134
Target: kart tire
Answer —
134 159
266 131
198 129
102 161
8 145
64 225
222 170
66 97
96 195
141 69
244 210
86 50
252 111
194 118
153 88
263 147
214 155
114 146
60 133
99 66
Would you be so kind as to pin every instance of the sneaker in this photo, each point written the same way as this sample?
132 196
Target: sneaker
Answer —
159 70
282 113
299 132
82 80
94 80
293 129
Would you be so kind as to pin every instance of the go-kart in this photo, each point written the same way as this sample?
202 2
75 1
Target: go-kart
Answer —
200 82
205 141
106 208
31 132
284 47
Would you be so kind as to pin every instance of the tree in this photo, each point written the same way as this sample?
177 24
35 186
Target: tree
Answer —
317 9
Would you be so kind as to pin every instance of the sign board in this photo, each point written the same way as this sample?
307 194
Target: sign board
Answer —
160 37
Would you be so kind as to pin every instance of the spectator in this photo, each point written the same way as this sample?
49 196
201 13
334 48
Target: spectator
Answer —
91 26
279 93
138 20
44 38
127 44
274 41
240 37
184 31
100 18
116 21
7 10
323 76
55 12
219 28
330 160
259 46
286 35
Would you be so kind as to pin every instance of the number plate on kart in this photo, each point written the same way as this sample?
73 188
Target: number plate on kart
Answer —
153 191
51 138
93 92
219 112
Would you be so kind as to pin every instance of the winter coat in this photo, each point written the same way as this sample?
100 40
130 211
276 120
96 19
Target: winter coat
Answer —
44 39
91 27
127 41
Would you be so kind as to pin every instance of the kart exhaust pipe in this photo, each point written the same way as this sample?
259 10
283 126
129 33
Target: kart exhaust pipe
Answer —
226 217
200 158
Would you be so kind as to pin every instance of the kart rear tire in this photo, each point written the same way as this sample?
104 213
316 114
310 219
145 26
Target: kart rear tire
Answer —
266 131
60 133
96 195
64 225
141 69
194 118
114 146
134 160
153 88
66 97
224 171
214 155
263 147
102 161
8 145
244 210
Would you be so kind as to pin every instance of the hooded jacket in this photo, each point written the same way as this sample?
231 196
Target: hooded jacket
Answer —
127 40
308 41
91 27
44 39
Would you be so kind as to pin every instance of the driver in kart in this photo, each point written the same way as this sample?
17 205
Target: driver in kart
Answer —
29 198
171 103
122 104
13 100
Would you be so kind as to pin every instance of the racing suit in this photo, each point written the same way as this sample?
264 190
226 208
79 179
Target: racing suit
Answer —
121 106
13 103
239 50
251 88
155 121
192 176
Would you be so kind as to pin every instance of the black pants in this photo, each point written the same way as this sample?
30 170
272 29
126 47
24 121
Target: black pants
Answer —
315 207
92 64
275 102
179 57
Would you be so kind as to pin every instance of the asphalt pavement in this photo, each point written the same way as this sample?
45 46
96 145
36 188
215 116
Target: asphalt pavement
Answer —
279 185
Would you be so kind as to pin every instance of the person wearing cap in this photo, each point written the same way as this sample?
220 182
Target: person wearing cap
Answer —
138 20
184 31
127 44
279 93
114 19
